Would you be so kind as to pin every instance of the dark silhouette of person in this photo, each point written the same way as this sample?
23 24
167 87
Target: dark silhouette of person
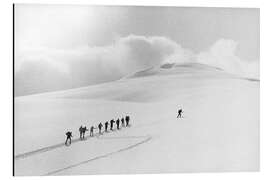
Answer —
92 131
100 127
117 123
180 111
111 124
81 131
106 126
123 122
127 120
69 135
84 129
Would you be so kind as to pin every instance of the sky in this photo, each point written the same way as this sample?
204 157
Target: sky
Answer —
81 45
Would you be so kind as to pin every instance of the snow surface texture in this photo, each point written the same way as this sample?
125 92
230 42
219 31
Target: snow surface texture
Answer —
219 130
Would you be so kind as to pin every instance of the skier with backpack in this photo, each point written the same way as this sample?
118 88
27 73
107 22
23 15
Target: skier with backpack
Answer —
106 126
92 131
84 129
180 111
123 122
111 124
117 123
81 131
69 135
127 120
100 127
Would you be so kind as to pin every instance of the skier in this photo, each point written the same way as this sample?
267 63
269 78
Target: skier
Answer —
69 135
111 123
127 120
81 131
123 122
84 129
180 111
117 123
106 126
92 131
99 127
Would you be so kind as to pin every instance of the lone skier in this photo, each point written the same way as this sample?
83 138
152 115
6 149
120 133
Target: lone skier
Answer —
180 111
106 126
111 124
123 122
100 127
117 123
127 120
69 135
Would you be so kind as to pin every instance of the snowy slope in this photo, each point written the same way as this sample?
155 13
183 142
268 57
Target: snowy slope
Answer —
219 131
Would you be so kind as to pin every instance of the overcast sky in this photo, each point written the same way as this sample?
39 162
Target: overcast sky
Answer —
54 33
195 28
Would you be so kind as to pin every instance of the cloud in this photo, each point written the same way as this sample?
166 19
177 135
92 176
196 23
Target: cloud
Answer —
69 68
222 54
43 69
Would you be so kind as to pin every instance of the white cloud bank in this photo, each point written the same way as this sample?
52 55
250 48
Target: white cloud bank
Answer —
43 69
223 55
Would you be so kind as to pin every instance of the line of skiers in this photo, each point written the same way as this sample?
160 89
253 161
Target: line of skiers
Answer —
125 122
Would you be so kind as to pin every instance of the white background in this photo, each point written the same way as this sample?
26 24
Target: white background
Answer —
6 76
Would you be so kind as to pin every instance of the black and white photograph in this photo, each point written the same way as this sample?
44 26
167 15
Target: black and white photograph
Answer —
118 89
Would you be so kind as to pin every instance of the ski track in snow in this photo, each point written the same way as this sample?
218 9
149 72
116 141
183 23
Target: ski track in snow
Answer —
147 138
45 149
49 148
